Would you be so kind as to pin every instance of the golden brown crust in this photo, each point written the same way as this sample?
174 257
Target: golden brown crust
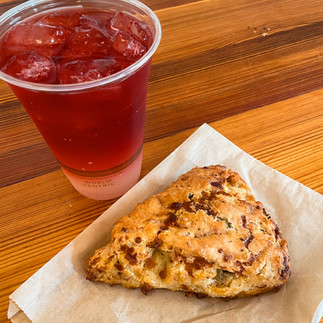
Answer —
205 234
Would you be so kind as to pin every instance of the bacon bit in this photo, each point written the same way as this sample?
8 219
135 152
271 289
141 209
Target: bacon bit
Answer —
150 263
170 221
124 247
231 179
118 266
124 230
187 206
163 274
189 269
205 197
184 287
278 234
200 295
199 206
189 294
192 207
285 272
156 243
197 295
145 288
227 257
172 218
206 208
239 264
138 240
94 261
212 213
250 260
198 263
190 196
250 238
132 258
91 276
217 185
175 206
220 250
244 221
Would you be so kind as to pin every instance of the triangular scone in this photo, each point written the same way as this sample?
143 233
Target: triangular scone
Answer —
205 234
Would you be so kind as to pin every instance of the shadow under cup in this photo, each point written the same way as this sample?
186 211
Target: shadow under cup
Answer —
95 129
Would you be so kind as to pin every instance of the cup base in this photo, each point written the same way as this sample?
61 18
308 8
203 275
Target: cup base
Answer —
107 187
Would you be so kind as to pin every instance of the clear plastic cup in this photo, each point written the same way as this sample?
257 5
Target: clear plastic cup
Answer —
95 129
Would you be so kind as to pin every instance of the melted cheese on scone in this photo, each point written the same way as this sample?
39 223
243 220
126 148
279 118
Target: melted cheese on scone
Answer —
205 234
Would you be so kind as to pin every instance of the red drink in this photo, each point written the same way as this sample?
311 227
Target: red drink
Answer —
82 79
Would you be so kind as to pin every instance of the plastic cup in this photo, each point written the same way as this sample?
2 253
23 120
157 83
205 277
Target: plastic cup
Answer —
95 129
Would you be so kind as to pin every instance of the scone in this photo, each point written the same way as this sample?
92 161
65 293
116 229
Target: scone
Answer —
204 235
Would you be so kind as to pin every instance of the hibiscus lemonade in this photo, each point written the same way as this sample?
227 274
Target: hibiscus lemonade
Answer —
81 70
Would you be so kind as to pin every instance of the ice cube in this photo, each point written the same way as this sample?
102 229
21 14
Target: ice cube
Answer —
56 19
46 40
141 32
121 22
87 69
129 47
87 41
136 28
32 67
96 20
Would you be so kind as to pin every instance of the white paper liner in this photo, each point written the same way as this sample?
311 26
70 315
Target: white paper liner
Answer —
59 292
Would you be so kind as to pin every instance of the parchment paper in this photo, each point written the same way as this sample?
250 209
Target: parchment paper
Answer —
59 292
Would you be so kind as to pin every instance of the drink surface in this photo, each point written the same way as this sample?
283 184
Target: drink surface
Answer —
73 45
91 130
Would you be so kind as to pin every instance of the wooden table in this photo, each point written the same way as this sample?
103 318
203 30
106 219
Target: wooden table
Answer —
253 70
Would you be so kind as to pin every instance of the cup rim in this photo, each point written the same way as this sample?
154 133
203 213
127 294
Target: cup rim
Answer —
111 79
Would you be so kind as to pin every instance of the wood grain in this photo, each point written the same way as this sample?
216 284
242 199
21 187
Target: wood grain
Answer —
253 70
221 68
